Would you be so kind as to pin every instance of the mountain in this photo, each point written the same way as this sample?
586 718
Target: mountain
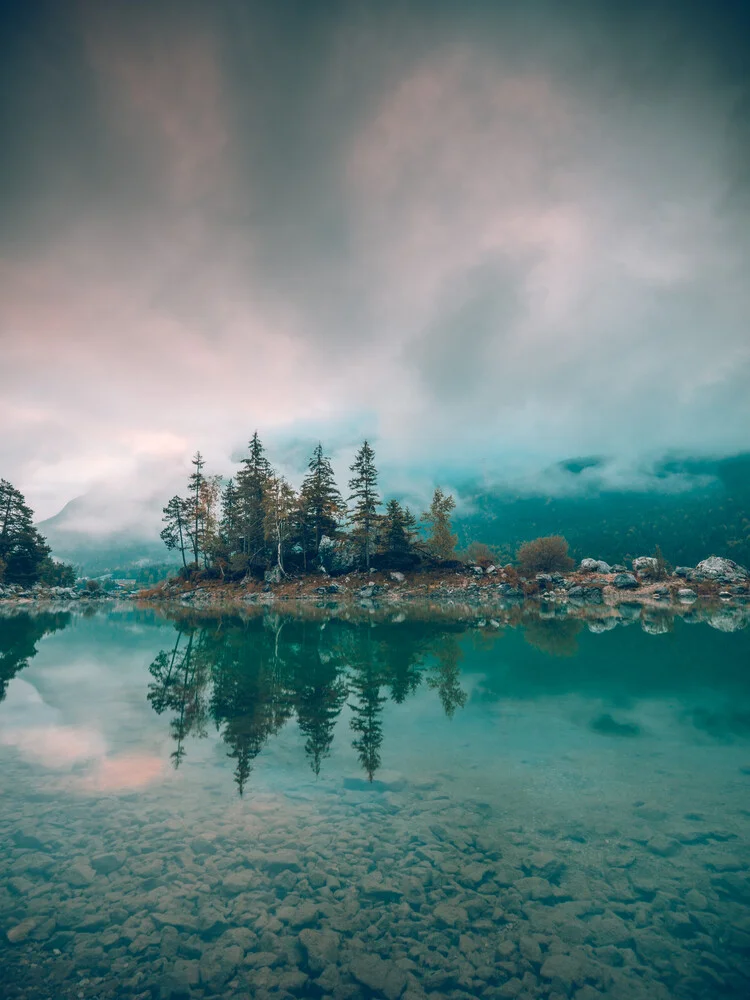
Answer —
99 532
690 508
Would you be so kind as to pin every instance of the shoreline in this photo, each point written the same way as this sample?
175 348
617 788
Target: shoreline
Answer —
459 596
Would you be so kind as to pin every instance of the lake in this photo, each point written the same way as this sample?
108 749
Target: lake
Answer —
281 806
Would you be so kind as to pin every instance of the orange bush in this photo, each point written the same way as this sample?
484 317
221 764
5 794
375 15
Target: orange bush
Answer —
544 555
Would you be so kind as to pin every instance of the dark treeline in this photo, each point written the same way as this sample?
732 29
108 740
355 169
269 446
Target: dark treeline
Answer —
257 522
24 554
248 678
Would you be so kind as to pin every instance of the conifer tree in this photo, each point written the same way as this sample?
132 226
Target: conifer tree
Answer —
252 482
24 554
229 526
195 486
175 533
395 534
363 484
441 543
320 504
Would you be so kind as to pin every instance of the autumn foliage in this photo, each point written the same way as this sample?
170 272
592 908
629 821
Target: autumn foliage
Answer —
544 555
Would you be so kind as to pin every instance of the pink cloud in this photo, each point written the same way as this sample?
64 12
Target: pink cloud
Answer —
124 772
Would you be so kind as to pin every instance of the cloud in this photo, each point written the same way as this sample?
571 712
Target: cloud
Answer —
490 238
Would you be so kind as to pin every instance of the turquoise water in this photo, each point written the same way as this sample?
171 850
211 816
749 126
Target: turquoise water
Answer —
275 807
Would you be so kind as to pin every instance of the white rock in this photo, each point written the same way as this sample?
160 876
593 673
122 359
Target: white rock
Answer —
717 567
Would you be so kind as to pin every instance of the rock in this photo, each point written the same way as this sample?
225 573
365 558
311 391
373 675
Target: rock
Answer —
663 846
563 969
396 576
594 566
238 881
376 974
680 925
179 980
321 948
26 839
218 963
645 564
104 864
625 581
450 915
337 556
79 873
304 915
686 596
725 570
375 886
279 861
21 931
589 595
273 575
683 571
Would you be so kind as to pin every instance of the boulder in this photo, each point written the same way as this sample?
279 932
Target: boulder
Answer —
645 564
594 566
625 581
588 595
273 575
725 570
381 977
337 555
686 596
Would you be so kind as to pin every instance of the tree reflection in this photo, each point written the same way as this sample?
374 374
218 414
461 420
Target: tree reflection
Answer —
555 636
250 677
19 635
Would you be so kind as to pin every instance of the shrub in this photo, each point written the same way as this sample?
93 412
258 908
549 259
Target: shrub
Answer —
663 568
93 586
544 555
479 554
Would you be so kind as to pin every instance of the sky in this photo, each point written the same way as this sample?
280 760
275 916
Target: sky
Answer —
487 236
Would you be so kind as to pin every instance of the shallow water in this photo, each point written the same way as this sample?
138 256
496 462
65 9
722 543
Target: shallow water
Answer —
275 807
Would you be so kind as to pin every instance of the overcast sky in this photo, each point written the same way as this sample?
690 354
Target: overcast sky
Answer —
486 235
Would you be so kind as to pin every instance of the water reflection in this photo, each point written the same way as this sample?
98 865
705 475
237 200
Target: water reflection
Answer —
248 678
19 635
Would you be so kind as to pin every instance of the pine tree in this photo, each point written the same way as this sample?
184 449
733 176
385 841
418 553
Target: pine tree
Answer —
252 482
229 525
320 503
441 543
24 554
363 484
175 533
195 486
395 534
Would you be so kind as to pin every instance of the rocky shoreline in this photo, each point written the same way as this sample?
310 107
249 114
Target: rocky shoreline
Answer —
717 591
